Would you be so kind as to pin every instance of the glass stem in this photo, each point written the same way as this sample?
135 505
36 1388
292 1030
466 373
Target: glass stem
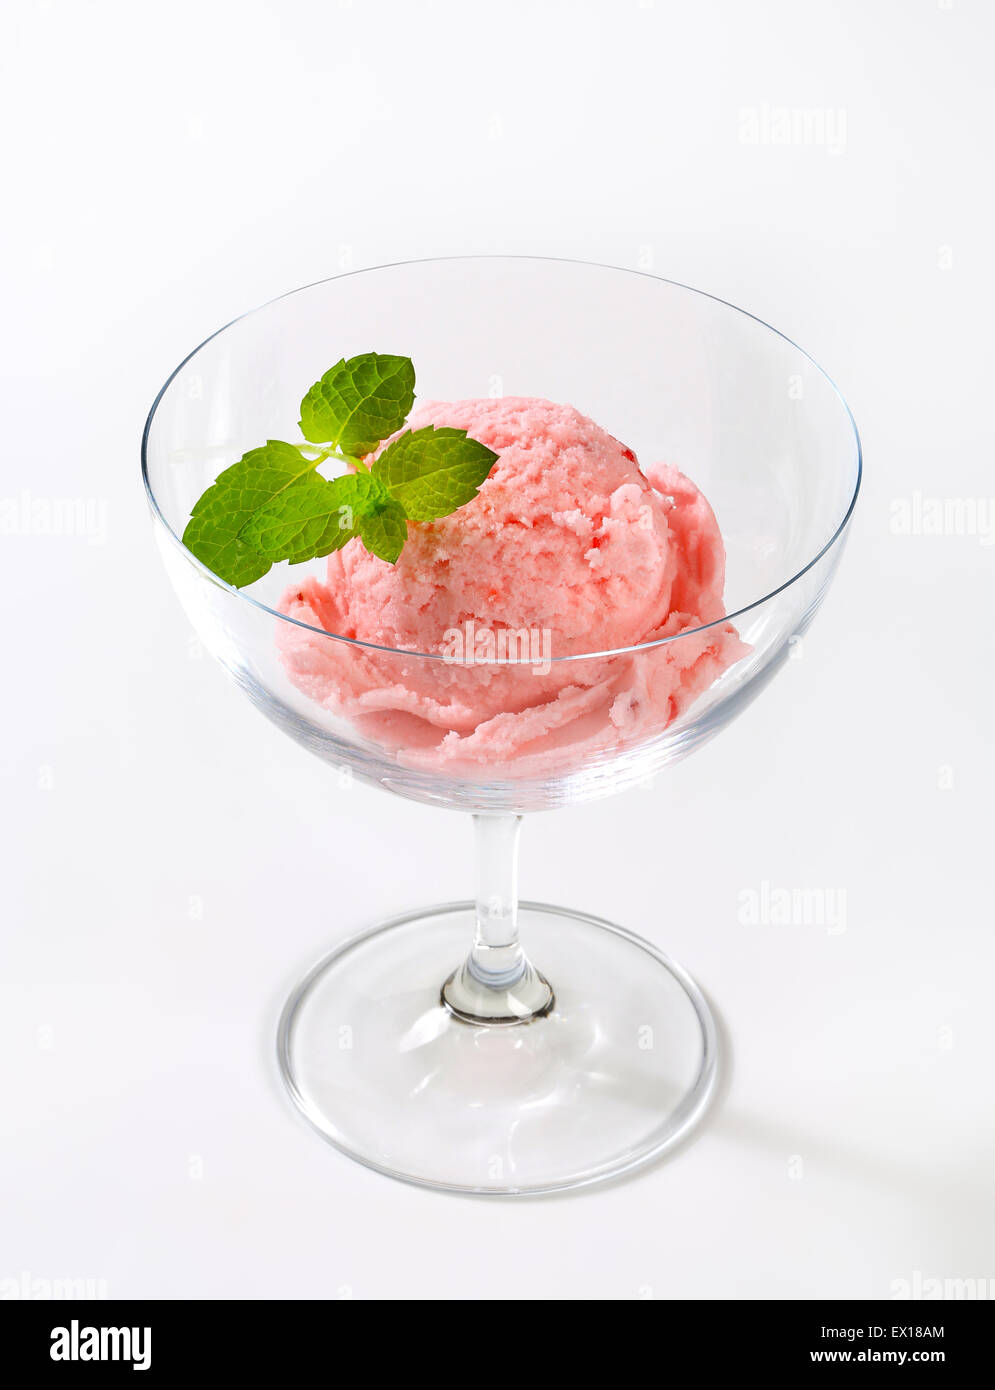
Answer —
497 983
497 958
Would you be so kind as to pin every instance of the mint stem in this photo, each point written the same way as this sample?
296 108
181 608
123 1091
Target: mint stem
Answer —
315 454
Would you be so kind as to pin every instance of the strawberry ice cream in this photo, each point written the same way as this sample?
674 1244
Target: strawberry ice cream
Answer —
567 551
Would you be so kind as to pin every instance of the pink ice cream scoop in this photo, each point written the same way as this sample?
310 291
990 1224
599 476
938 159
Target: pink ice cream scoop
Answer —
568 550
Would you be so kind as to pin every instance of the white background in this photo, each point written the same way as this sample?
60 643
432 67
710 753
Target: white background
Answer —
173 862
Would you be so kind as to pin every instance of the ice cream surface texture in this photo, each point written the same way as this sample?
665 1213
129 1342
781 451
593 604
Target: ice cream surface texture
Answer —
568 550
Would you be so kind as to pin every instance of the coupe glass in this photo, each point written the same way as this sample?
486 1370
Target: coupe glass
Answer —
431 1047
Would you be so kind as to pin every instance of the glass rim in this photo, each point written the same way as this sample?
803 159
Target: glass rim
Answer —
636 647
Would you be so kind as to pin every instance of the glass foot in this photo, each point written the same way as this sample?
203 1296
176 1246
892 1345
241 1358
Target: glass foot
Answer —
617 1068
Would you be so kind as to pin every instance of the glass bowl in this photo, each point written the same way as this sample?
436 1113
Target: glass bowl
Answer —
431 1047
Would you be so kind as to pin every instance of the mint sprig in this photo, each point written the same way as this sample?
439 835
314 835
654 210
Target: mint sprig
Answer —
274 505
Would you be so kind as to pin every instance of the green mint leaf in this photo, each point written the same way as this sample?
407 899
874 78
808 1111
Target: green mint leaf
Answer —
214 531
360 402
313 518
432 472
385 530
